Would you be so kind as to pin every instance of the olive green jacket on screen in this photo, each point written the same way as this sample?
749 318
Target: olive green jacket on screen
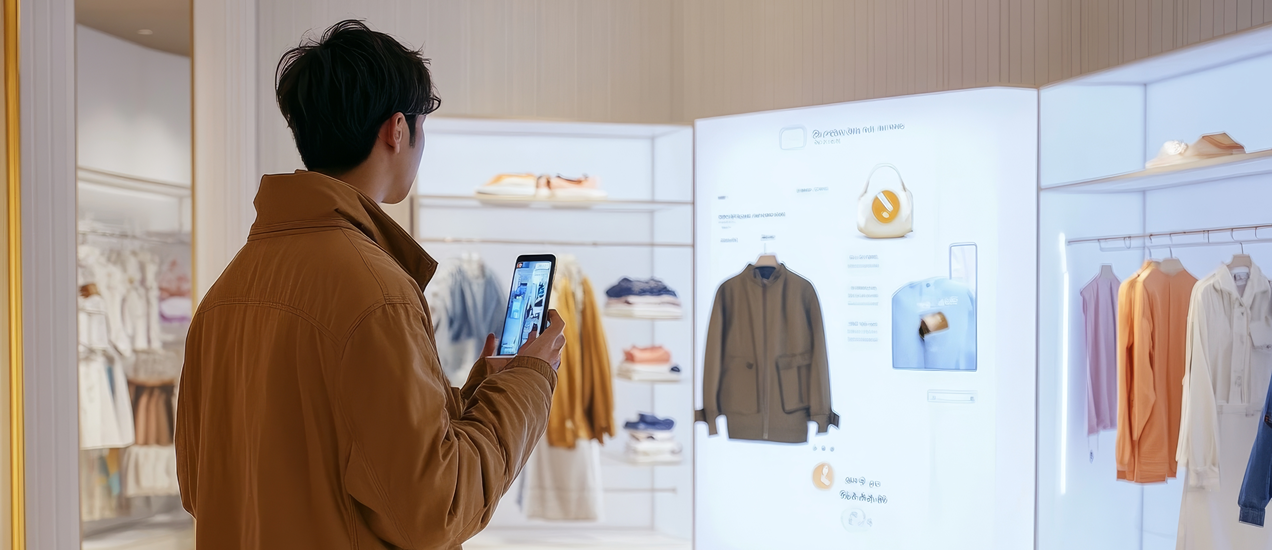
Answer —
313 412
765 367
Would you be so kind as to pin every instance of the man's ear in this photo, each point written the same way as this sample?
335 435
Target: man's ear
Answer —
394 132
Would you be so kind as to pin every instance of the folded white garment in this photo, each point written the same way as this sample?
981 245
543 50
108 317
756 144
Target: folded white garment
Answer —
651 435
643 311
648 367
653 447
648 375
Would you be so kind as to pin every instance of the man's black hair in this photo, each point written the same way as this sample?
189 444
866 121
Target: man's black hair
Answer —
337 92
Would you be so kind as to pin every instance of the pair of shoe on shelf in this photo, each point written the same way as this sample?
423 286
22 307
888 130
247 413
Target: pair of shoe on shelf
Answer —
644 299
651 439
527 186
651 364
1207 147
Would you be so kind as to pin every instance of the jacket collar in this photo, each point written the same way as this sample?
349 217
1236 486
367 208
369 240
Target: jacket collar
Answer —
1257 284
754 275
310 199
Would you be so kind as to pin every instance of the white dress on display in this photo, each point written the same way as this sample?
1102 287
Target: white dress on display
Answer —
1229 362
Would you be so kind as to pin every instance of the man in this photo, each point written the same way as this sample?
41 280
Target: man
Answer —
313 412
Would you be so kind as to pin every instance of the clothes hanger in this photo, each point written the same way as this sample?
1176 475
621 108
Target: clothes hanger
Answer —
1240 260
1171 265
766 259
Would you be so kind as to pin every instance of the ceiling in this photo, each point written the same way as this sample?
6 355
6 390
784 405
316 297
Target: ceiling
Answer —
167 20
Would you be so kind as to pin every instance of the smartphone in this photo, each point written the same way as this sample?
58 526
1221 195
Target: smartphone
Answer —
527 300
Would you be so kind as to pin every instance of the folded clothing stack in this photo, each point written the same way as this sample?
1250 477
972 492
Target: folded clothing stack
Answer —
651 364
648 299
650 439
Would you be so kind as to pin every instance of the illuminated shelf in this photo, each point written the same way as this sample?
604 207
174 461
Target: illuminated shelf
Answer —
1202 171
492 201
625 460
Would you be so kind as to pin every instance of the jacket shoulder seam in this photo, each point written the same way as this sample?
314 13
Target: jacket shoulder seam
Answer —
365 262
207 307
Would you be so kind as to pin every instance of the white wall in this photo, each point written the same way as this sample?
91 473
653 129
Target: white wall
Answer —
133 108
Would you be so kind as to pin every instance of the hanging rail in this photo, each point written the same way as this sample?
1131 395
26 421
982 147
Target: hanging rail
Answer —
131 237
531 242
1207 238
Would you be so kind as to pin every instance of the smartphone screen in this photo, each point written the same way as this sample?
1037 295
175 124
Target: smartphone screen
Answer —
527 302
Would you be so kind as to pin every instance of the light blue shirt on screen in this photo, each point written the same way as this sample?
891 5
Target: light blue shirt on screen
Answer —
951 349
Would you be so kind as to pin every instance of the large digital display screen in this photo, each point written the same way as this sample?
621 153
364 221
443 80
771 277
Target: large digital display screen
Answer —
866 304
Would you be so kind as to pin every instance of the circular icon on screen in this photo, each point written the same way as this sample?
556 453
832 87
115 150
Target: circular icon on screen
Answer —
885 206
854 519
823 476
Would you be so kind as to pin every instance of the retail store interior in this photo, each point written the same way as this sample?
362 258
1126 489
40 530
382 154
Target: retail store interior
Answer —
988 288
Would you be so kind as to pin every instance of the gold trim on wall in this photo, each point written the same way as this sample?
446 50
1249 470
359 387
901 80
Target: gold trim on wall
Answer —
13 154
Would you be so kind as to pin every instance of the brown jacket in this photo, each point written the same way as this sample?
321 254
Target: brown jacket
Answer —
313 412
765 367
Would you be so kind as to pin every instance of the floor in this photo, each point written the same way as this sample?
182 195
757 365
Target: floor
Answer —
172 531
169 534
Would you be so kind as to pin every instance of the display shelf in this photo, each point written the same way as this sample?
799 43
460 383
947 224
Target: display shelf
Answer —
668 317
493 201
534 242
1202 171
658 382
622 459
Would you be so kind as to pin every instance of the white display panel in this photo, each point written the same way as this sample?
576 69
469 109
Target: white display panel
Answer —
922 457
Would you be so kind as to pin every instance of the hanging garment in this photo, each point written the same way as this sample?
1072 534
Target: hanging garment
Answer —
467 301
564 484
112 285
766 367
583 405
150 470
1152 326
154 413
1229 363
105 409
934 326
100 485
1099 313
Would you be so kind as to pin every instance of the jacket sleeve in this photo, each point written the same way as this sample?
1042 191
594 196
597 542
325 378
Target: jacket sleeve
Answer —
711 364
1256 488
1124 382
188 421
1199 422
421 476
1143 392
819 378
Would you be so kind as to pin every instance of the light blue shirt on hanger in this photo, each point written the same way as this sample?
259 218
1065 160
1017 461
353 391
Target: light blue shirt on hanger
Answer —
953 348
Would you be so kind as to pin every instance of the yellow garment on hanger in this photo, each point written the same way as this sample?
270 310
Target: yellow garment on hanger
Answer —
583 404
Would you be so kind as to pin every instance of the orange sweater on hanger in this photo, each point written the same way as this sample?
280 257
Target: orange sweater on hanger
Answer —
1152 322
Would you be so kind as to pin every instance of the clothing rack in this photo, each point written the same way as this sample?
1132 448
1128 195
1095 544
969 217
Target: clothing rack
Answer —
131 237
530 242
1198 237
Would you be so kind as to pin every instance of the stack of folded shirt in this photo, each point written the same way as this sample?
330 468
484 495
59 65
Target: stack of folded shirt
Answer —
651 364
650 439
649 299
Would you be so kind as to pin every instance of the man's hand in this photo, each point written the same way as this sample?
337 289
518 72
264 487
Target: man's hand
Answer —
546 346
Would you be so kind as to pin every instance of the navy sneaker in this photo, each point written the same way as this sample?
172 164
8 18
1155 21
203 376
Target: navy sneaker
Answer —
650 423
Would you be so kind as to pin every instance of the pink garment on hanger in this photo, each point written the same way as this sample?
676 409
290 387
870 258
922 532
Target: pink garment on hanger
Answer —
1099 309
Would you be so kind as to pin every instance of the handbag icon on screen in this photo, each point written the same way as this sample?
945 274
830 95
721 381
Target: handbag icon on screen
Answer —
888 213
